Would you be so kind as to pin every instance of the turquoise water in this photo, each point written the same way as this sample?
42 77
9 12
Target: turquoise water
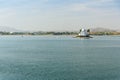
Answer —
59 58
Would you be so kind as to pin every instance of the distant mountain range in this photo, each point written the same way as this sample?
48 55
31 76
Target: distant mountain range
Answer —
94 31
99 29
8 29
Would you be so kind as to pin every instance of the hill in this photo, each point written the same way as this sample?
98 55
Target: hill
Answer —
102 30
8 29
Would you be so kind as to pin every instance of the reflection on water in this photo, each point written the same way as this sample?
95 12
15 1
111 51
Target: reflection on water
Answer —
59 58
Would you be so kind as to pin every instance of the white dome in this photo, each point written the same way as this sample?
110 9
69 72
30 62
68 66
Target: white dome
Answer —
83 30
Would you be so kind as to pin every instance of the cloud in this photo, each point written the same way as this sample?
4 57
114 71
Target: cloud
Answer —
102 1
53 15
78 7
100 7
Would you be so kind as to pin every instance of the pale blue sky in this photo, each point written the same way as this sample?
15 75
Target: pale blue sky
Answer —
52 15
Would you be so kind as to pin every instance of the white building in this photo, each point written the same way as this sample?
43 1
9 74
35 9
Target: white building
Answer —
84 33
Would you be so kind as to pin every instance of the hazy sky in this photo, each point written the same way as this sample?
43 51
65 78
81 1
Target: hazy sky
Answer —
52 15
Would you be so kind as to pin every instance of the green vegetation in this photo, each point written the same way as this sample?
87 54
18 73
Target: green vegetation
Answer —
38 33
57 33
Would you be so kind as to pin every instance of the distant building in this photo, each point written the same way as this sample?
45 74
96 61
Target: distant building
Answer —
84 33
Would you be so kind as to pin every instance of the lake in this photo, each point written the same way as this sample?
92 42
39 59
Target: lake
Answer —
59 58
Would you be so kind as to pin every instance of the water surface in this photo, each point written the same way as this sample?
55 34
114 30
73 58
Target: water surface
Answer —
59 58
